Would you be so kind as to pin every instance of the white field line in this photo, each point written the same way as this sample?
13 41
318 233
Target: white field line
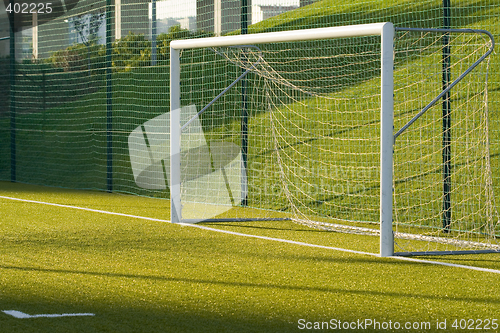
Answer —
22 315
489 270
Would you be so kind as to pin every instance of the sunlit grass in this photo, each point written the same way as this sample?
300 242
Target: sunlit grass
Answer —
139 275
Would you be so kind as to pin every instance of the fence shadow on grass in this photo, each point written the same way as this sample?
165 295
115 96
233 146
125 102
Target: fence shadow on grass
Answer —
266 286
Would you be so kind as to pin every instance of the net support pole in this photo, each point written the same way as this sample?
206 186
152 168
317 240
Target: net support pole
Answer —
12 71
109 101
244 107
175 137
446 120
386 141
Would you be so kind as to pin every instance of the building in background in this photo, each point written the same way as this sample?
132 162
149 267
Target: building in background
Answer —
77 27
220 16
188 23
135 16
307 2
163 25
263 12
4 31
224 16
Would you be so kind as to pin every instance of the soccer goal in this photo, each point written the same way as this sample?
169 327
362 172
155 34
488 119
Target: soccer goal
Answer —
339 129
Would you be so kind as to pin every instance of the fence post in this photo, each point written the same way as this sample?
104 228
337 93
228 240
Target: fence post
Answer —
153 33
109 100
446 119
244 106
12 90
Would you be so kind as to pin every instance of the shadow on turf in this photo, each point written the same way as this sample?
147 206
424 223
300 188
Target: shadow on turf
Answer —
247 226
124 318
265 286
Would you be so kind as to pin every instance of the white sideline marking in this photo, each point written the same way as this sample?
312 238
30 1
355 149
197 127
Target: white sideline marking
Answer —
489 270
346 250
86 209
22 315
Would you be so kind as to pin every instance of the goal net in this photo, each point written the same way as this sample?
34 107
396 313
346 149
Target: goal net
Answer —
299 125
443 194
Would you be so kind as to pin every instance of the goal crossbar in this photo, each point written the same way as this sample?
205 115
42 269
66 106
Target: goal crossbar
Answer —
372 29
385 30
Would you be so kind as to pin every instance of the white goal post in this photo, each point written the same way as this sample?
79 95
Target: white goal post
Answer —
384 30
310 136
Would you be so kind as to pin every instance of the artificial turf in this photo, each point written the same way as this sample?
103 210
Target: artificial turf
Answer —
137 275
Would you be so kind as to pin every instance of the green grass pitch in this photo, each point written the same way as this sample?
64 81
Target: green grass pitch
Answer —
137 275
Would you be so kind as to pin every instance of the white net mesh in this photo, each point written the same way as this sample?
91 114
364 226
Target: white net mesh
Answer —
454 207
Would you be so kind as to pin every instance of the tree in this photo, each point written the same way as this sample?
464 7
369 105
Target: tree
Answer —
87 27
